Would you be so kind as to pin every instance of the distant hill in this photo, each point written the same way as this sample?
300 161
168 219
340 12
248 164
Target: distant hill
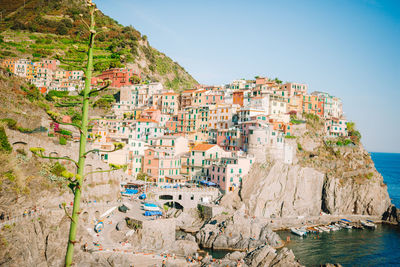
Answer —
42 28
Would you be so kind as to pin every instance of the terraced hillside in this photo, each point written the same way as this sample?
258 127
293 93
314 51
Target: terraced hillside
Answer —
43 28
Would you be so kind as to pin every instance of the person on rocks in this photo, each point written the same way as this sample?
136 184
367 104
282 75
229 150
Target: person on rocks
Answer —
163 264
2 216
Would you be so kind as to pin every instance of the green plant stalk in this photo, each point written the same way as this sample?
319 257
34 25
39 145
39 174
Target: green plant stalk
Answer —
82 145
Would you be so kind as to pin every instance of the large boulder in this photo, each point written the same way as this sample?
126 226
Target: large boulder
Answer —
392 214
267 256
184 247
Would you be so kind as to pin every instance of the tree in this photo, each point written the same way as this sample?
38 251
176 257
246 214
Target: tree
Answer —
351 126
141 176
353 133
75 180
278 81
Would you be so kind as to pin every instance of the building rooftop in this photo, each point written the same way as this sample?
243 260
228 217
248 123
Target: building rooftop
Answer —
203 147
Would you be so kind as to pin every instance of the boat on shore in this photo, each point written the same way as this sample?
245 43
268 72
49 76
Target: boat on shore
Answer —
151 208
324 229
368 224
298 232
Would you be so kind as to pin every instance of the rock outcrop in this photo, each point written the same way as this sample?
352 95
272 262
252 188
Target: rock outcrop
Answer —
282 190
322 178
267 256
239 232
349 196
392 215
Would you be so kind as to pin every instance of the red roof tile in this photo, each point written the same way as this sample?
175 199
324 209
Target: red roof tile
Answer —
203 147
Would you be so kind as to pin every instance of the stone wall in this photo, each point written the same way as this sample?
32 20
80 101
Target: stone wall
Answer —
187 197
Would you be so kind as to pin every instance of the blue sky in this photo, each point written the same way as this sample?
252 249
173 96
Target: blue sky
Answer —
350 49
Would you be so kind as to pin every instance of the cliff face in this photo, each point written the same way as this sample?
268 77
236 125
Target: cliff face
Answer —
282 190
323 177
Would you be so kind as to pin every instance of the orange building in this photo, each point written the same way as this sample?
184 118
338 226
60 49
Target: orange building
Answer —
238 97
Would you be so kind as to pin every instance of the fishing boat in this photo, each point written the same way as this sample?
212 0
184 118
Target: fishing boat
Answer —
368 224
298 232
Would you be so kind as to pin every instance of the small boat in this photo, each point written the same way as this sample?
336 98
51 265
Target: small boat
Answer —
312 230
298 232
99 227
332 227
346 221
150 204
368 224
338 225
345 225
151 208
303 229
325 229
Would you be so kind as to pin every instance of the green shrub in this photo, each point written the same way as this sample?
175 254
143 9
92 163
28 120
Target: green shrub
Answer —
11 123
10 176
57 169
64 132
33 93
62 141
24 130
347 142
53 93
43 105
290 137
299 147
4 144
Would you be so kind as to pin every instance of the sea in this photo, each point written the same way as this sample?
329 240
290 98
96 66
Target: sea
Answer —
380 247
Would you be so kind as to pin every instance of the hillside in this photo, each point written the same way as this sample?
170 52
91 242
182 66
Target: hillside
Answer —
43 28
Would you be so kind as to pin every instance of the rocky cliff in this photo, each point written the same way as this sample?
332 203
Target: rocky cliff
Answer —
324 177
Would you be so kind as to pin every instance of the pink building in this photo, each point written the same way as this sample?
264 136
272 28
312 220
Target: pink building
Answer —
152 114
229 172
159 164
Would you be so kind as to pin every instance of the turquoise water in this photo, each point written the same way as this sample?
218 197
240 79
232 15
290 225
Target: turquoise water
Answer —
357 247
388 164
